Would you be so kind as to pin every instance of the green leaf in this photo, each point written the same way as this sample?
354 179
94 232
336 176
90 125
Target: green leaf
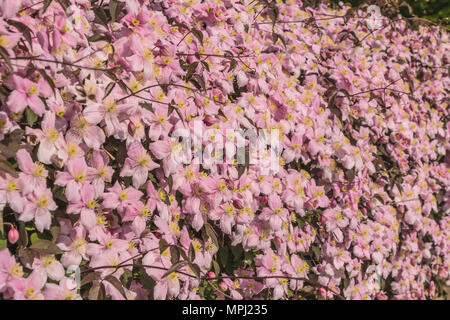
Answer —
316 251
117 284
10 150
109 88
31 116
100 16
163 245
191 253
174 254
26 31
379 197
175 267
147 106
90 277
5 55
46 5
273 14
196 269
233 64
152 178
3 244
45 246
23 235
212 234
170 183
191 69
26 255
205 65
170 109
97 292
115 7
98 37
223 256
55 232
350 175
147 282
216 267
6 166
198 34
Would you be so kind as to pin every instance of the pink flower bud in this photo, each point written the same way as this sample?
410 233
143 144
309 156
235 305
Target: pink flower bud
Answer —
384 140
333 203
13 235
264 199
208 120
374 139
131 128
322 293
211 274
381 296
319 268
237 204
223 286
323 220
401 208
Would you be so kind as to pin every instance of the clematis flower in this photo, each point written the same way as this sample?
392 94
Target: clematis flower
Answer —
40 203
26 93
10 193
33 175
86 206
77 174
49 137
138 164
121 199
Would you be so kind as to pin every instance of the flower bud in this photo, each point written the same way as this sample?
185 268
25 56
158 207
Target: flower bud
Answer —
333 203
211 275
13 235
323 220
381 296
322 293
384 140
131 128
223 286
208 120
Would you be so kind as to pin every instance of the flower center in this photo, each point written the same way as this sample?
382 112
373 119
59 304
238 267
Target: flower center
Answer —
92 204
39 170
42 202
52 134
80 177
123 195
12 186
32 89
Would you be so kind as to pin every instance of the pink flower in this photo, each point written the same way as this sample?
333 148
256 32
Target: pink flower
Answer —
50 138
86 206
47 264
33 175
40 203
138 164
66 290
121 199
26 93
77 174
30 287
10 193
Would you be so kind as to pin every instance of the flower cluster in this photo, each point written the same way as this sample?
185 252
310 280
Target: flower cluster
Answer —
98 207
